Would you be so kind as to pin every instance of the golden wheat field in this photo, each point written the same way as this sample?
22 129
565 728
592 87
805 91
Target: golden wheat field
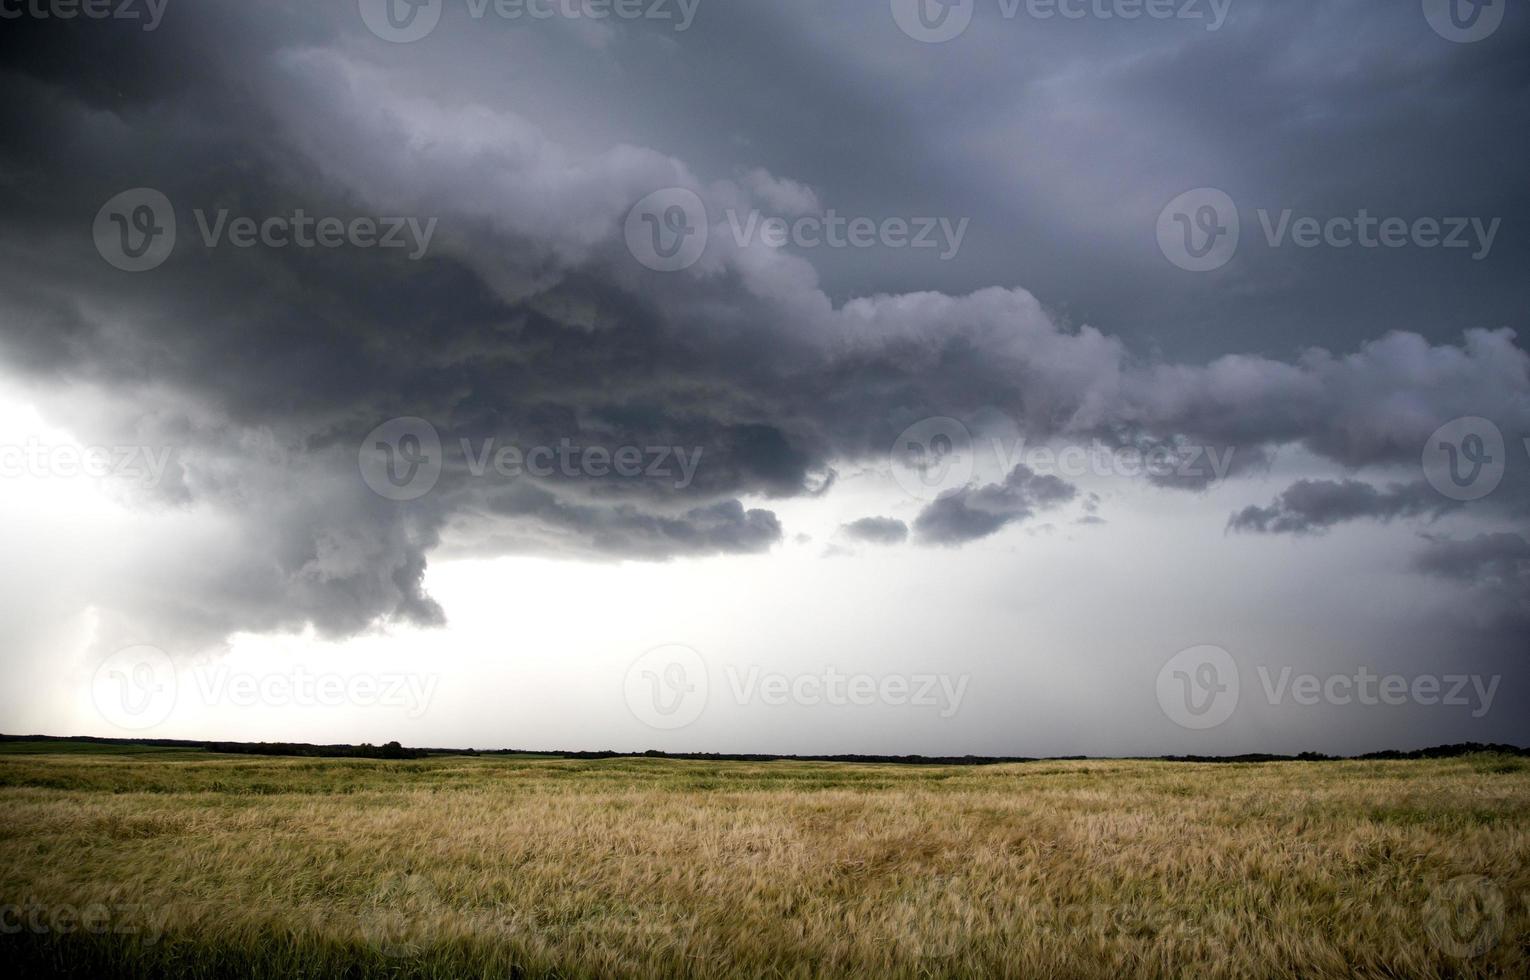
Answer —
179 863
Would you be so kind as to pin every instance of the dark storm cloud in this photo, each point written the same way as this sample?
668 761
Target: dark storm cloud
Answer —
1056 207
972 513
1374 407
1503 558
877 530
527 320
625 532
1314 506
1063 139
1194 468
1495 571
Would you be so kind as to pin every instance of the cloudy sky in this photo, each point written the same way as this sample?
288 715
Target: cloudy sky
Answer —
1023 377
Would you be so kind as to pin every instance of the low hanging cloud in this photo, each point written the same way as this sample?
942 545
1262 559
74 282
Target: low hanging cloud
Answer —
877 531
1503 558
1314 506
545 522
1494 571
972 513
528 321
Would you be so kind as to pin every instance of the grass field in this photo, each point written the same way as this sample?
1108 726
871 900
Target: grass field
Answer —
150 864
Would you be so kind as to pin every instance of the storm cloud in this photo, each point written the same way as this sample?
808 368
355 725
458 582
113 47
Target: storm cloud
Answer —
528 321
973 513
1313 506
877 530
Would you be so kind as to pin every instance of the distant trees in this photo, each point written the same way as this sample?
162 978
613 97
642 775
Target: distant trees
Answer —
366 750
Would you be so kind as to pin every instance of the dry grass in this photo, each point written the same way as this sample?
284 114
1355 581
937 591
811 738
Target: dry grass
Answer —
215 866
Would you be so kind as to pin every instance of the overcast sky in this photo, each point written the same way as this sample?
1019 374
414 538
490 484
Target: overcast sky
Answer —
1022 377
